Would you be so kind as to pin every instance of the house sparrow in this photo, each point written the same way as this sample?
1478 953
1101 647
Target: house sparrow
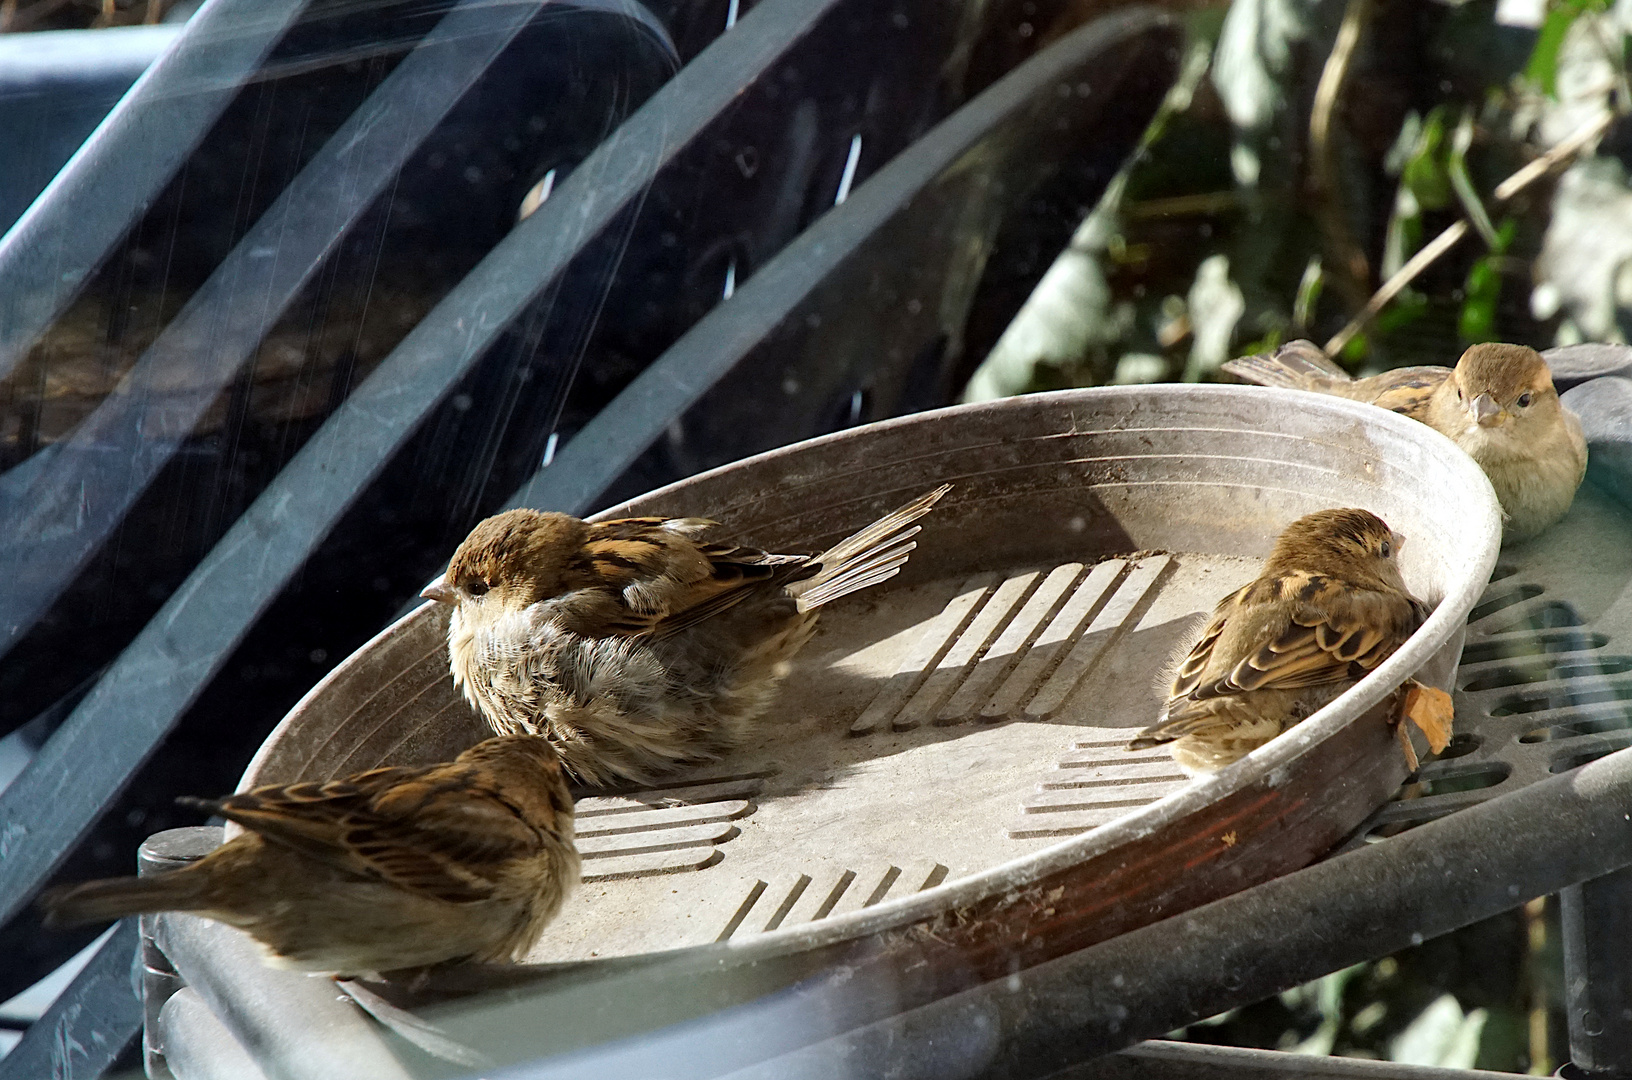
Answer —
1329 606
392 868
634 645
1498 404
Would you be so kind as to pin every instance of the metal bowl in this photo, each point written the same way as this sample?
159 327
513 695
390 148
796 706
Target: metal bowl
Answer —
951 743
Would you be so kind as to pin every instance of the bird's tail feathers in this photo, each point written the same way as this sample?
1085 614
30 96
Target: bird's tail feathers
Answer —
885 562
115 898
1172 727
1291 365
874 554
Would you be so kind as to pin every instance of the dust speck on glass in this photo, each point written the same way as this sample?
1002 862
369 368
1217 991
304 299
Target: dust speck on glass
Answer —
1002 538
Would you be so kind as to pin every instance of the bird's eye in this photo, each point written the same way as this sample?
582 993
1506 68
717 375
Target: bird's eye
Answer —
1459 393
477 587
1386 549
1524 400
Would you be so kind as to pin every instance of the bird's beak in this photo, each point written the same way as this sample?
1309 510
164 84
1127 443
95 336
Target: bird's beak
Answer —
440 591
1486 413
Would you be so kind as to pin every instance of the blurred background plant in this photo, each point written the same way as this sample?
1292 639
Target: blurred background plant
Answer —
1391 178
1395 180
1488 996
19 15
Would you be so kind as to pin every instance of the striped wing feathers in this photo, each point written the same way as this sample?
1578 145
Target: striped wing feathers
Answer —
1297 631
664 580
442 832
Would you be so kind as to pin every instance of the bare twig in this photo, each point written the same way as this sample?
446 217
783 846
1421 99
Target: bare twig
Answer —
1353 266
1548 161
1448 239
1206 203
1419 262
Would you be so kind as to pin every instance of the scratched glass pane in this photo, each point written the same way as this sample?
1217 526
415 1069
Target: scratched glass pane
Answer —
1214 420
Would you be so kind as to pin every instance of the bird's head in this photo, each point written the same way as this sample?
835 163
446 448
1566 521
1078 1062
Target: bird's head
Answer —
528 770
1502 387
512 560
530 752
1349 544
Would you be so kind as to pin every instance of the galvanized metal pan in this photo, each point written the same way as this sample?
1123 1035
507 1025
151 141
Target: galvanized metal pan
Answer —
945 768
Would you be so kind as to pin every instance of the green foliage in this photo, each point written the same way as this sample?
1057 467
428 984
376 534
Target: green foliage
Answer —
1405 309
1542 69
1458 1001
1300 233
1543 66
1456 167
1427 174
1483 290
1268 343
1357 349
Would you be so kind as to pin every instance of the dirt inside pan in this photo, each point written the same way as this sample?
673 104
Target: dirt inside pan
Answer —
926 733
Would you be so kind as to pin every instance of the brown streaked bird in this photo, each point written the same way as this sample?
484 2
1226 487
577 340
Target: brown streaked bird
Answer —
1328 607
635 646
1498 404
399 867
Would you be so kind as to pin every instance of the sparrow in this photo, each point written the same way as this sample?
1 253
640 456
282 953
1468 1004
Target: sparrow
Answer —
1328 607
636 646
399 867
1498 404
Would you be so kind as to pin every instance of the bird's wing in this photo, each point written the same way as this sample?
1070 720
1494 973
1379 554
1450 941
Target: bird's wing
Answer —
1299 365
636 557
440 832
738 572
1325 631
1200 657
657 578
1405 390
